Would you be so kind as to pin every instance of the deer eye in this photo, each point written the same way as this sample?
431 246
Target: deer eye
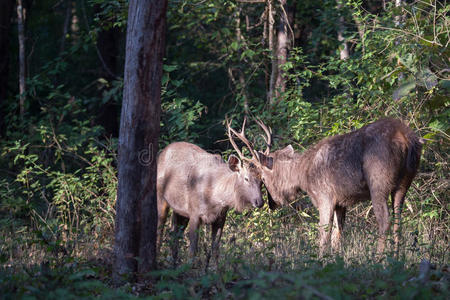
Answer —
246 179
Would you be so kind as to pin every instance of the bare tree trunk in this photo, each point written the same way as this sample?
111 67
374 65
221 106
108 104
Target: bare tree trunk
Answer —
343 51
241 76
66 24
265 38
271 34
291 9
22 62
361 30
5 23
108 52
282 49
398 19
136 211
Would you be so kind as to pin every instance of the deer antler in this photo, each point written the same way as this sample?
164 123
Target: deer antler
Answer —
268 132
241 136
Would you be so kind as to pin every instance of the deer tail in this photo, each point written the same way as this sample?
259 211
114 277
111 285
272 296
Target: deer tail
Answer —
414 151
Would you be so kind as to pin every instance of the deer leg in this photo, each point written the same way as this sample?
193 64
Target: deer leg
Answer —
163 210
326 211
216 234
338 227
194 224
380 208
398 198
179 224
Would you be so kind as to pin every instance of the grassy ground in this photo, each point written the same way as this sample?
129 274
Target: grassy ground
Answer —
264 255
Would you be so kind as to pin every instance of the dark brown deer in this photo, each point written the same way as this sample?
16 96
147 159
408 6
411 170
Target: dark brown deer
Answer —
373 162
200 188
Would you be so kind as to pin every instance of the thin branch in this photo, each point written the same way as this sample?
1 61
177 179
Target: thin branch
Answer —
288 24
411 34
107 69
261 20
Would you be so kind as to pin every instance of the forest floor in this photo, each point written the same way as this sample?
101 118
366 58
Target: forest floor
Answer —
273 258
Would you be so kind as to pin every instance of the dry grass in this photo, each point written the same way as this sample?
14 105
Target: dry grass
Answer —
286 240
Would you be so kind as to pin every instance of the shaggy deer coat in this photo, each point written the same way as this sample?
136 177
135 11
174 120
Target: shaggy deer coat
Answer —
373 162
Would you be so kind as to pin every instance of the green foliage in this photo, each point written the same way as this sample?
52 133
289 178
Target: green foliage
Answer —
74 280
110 13
58 164
179 114
334 280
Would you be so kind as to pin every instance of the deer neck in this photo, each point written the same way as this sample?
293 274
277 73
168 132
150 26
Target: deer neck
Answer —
226 189
294 175
300 171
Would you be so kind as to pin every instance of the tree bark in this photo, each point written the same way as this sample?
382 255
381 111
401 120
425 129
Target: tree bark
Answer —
5 24
136 211
398 22
22 62
343 48
66 24
398 18
270 35
282 49
241 75
361 31
108 52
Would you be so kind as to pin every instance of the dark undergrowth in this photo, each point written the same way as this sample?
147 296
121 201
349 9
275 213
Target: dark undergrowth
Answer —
275 257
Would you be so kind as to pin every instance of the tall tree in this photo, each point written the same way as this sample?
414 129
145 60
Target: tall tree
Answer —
282 48
398 18
108 53
5 23
67 18
136 214
278 44
343 51
270 35
22 62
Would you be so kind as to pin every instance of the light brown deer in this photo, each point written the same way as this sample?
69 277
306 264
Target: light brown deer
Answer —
200 188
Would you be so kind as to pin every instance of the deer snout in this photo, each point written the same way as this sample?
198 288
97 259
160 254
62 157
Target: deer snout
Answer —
258 202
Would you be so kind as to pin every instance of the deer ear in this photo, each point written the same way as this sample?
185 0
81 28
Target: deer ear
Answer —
234 163
288 150
265 160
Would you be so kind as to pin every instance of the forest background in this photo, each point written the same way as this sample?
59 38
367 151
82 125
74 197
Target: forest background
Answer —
309 69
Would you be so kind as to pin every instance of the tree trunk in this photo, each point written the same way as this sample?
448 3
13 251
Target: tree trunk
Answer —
108 52
136 211
66 24
398 22
282 49
270 35
398 18
5 24
343 48
241 86
361 31
22 62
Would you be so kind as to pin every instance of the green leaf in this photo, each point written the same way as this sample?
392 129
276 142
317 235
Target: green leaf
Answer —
427 79
437 125
169 68
403 90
